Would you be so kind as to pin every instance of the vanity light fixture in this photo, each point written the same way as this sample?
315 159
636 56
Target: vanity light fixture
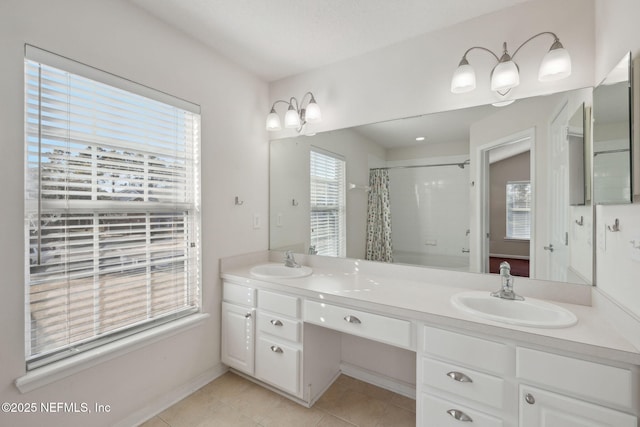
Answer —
420 138
297 114
555 65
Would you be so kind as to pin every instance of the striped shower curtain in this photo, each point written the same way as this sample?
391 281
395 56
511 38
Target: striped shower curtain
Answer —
379 246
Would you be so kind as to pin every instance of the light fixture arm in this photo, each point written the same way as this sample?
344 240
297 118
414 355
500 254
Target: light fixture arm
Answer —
556 42
464 57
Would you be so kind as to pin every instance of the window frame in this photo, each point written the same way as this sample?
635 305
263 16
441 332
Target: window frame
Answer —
118 337
339 244
510 209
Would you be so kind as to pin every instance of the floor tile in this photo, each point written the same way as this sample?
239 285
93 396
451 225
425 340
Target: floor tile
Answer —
234 401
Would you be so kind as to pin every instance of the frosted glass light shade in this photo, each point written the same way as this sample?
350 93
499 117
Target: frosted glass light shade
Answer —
464 79
291 119
313 114
505 76
273 121
555 65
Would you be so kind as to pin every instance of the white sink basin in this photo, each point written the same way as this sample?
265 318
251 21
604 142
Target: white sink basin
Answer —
279 271
530 312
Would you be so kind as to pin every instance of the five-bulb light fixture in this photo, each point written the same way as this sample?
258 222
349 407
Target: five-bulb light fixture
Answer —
297 114
555 65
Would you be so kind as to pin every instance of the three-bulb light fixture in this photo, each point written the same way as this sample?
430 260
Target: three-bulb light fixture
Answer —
297 114
555 65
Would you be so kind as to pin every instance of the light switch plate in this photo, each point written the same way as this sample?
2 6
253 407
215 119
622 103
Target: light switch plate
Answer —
256 221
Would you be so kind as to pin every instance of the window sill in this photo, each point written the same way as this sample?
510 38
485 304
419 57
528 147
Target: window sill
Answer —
58 370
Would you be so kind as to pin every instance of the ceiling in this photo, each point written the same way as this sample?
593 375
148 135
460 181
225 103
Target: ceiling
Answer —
279 38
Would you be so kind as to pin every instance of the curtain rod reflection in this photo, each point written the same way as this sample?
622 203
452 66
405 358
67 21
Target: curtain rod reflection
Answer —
620 150
460 165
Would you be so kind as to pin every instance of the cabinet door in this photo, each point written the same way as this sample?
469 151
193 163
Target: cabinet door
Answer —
238 337
278 364
543 408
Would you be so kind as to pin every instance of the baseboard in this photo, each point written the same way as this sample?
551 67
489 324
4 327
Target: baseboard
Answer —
382 381
172 397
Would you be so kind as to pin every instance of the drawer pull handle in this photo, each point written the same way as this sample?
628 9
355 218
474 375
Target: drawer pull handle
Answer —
459 376
352 319
276 349
276 323
459 415
248 315
529 399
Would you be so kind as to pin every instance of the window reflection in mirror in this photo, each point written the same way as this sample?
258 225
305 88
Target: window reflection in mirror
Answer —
612 136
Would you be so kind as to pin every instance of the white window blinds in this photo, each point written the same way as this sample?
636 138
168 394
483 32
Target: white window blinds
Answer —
328 228
519 210
111 210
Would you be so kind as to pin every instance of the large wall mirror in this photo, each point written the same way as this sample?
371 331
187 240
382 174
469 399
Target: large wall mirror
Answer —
456 190
612 172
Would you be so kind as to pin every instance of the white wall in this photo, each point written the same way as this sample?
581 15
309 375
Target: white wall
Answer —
118 37
618 32
414 77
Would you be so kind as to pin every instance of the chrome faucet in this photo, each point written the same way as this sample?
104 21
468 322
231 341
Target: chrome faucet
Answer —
289 260
506 291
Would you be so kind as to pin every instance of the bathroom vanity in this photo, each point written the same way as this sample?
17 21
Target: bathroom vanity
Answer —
285 333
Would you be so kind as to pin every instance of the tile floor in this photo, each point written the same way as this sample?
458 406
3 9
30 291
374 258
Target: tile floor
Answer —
234 401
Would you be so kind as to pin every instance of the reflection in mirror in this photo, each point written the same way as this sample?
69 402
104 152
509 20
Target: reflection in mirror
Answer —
428 168
612 136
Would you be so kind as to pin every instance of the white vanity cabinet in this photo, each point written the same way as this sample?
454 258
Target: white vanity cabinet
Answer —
238 327
476 381
279 342
464 380
563 391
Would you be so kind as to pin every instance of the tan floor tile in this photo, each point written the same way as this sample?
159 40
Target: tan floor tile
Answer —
329 420
225 415
403 402
191 411
358 408
226 387
255 402
395 416
154 422
291 414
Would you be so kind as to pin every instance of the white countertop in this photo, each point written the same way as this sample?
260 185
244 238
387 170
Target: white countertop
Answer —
428 301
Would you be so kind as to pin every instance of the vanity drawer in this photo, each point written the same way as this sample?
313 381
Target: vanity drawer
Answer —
373 326
603 383
441 413
463 382
279 326
278 364
279 303
470 351
238 294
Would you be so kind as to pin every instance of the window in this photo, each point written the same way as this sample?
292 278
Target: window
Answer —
111 208
328 230
519 210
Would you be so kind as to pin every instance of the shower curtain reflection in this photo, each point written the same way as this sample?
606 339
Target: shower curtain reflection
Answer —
430 215
379 247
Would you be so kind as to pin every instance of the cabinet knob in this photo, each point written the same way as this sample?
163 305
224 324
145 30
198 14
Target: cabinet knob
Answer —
352 319
529 399
276 322
459 415
276 349
248 315
459 376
